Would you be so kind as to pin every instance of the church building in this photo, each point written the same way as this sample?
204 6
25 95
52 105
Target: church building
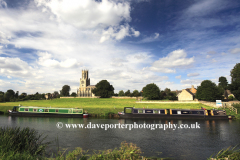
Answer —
85 89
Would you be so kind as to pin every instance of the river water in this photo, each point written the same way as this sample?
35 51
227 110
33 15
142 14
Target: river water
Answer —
200 142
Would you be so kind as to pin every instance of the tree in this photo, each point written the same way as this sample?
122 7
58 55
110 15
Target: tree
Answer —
65 90
151 91
74 94
127 93
208 91
55 94
135 93
23 95
1 96
11 93
235 84
223 82
103 89
7 96
121 93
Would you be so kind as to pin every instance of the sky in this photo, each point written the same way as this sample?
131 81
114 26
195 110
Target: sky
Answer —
45 44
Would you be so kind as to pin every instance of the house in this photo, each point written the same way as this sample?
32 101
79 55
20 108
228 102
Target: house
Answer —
187 94
227 93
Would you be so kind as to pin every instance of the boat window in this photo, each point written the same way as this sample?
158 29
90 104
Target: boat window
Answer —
162 111
26 109
178 112
135 111
46 110
155 111
128 110
56 110
140 111
34 110
174 112
148 111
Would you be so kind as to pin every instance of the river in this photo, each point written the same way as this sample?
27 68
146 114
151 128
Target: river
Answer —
207 136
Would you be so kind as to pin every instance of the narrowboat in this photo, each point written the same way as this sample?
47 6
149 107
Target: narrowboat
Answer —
45 112
131 112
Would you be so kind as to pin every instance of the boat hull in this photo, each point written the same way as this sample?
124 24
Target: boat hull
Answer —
157 116
23 114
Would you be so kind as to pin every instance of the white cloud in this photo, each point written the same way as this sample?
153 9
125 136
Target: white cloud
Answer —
88 13
178 77
46 61
235 50
211 52
3 4
208 56
152 38
193 74
175 59
214 60
118 33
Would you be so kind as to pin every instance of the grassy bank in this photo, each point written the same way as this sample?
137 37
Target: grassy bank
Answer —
97 105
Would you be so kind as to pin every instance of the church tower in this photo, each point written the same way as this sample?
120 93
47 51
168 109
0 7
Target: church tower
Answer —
85 89
84 81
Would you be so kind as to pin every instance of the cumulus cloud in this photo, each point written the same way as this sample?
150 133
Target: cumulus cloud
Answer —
14 67
152 38
208 56
193 74
178 77
175 59
118 33
88 14
45 59
3 4
211 52
235 50
104 16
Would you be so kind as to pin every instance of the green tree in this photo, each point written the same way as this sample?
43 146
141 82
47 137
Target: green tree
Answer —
223 82
23 95
74 94
1 96
7 96
65 90
135 93
151 91
121 93
235 84
103 89
127 93
208 91
11 94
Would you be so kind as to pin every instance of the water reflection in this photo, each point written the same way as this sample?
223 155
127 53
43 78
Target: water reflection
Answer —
199 143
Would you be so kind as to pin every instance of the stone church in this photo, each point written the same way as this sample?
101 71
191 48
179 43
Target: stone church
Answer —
85 89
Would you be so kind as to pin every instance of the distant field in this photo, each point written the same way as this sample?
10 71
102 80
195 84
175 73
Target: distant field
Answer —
97 105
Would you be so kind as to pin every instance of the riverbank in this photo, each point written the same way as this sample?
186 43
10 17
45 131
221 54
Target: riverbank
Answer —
98 106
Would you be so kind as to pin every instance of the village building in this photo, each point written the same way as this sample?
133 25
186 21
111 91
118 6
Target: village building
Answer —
85 89
187 94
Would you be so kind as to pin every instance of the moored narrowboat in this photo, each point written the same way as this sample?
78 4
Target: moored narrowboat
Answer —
131 112
45 111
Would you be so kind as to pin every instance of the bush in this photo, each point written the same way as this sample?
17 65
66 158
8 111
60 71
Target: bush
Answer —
126 151
16 141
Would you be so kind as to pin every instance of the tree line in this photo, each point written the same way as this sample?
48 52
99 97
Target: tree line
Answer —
207 91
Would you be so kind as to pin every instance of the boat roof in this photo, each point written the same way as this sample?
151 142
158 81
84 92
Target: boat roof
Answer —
46 107
163 109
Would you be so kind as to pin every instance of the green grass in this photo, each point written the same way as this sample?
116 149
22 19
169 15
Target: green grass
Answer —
98 105
229 153
16 143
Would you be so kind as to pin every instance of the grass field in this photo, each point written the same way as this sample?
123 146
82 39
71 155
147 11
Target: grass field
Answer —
97 105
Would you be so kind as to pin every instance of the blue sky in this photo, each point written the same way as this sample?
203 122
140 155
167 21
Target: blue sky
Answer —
45 44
